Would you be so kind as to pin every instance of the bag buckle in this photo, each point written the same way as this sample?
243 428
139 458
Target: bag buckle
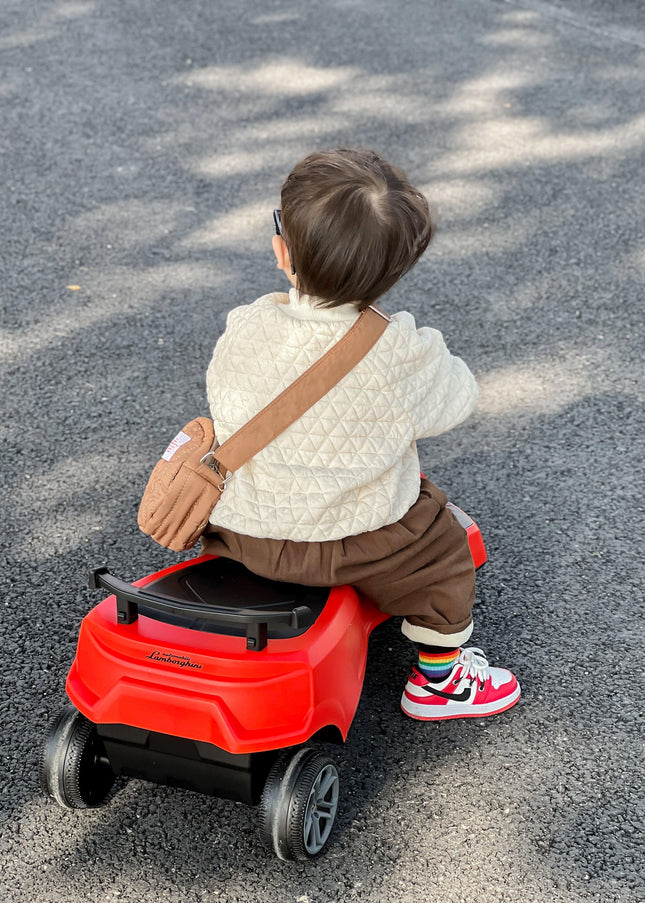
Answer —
222 485
214 465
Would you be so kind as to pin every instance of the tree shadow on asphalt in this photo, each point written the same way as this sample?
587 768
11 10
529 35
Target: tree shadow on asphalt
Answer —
156 203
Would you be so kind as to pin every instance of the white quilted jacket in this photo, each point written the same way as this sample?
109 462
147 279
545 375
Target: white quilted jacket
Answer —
350 463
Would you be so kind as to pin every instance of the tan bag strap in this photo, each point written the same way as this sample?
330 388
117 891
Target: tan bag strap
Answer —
304 392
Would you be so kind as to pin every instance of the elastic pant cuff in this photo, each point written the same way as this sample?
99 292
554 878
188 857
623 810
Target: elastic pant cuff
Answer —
430 637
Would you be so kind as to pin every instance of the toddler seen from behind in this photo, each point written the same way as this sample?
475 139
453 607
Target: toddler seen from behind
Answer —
337 497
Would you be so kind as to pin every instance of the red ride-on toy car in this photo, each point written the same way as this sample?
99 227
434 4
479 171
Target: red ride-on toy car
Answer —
207 677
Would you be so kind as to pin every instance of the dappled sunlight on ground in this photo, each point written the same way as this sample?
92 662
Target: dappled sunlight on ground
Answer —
247 224
518 143
273 78
48 25
543 386
105 294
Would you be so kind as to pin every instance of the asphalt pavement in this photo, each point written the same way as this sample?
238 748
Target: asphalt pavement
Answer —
142 149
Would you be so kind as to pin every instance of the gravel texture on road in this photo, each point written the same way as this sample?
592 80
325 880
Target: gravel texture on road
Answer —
142 149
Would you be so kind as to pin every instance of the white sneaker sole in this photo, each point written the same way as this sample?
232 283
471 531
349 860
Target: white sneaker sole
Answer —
457 709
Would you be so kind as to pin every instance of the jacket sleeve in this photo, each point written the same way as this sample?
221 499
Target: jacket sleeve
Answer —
440 391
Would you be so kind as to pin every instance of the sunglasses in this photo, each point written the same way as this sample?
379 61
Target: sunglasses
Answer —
277 222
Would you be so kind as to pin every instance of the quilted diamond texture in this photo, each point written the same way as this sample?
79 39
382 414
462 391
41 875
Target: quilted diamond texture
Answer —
349 464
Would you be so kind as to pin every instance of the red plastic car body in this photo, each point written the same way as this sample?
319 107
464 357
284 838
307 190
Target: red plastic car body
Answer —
210 687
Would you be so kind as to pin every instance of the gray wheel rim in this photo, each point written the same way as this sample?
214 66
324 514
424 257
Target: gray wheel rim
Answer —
321 809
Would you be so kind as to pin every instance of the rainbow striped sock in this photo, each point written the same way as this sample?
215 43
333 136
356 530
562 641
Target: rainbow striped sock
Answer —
436 663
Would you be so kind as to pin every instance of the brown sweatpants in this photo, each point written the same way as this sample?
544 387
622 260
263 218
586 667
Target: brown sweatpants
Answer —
419 567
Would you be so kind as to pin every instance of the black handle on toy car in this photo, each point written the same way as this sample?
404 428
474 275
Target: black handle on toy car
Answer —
128 599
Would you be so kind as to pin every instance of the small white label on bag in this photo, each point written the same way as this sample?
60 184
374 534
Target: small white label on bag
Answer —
180 439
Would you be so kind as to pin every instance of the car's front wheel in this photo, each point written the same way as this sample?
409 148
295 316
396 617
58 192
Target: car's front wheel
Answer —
299 804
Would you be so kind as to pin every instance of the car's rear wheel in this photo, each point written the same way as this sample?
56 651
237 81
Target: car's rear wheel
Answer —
73 768
299 804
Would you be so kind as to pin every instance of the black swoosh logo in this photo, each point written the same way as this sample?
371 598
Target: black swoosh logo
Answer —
455 697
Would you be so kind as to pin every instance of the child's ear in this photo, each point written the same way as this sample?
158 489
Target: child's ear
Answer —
281 253
282 256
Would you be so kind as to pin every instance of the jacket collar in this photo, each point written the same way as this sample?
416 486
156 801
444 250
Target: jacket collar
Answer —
307 307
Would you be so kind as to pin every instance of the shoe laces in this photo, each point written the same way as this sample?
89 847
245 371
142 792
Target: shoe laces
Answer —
474 665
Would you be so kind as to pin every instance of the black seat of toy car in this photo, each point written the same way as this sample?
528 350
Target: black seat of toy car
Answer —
221 582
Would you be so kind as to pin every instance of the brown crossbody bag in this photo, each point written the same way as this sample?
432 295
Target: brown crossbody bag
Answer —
191 475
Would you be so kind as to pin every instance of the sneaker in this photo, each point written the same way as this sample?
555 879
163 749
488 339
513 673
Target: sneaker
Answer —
472 690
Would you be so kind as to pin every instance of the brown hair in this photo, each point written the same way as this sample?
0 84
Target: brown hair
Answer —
353 225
